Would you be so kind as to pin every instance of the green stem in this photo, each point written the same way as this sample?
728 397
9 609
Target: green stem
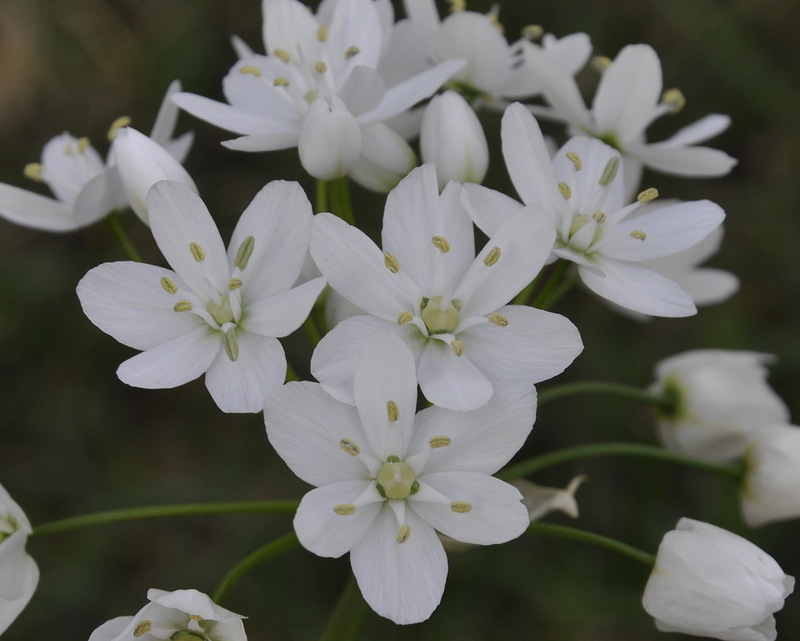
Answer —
523 297
563 287
664 402
160 511
565 532
122 237
347 617
291 375
340 199
538 463
252 561
321 197
310 326
543 299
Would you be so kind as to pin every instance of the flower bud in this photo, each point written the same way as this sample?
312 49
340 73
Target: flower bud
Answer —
330 139
19 572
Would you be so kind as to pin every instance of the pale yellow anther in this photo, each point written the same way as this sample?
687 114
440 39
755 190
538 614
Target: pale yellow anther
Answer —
439 441
322 33
599 217
280 81
457 5
344 509
250 70
351 51
461 507
122 121
168 285
197 252
458 347
195 617
532 32
350 447
675 99
403 533
404 317
320 66
33 171
393 411
576 160
143 628
565 190
492 257
610 171
183 306
234 283
441 244
638 234
231 344
647 195
244 252
497 319
83 144
392 264
282 54
496 22
600 63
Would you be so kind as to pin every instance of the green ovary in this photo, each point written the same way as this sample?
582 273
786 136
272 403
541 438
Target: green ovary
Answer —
396 480
440 319
222 313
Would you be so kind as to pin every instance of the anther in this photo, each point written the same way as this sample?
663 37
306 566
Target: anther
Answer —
231 345
33 171
532 32
441 244
576 160
320 66
350 52
492 257
244 252
403 533
393 411
122 121
457 5
143 628
458 347
83 144
647 195
344 509
461 507
599 217
195 617
392 264
282 54
492 15
439 441
197 252
600 63
674 99
280 81
251 70
350 447
638 234
168 285
322 33
404 317
565 190
234 283
498 319
610 171
183 306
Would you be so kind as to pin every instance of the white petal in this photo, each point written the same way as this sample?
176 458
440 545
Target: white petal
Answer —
385 158
363 90
289 25
249 86
98 197
707 286
685 161
587 190
451 381
224 116
281 139
403 582
356 23
28 209
489 209
167 117
281 314
700 130
19 576
111 630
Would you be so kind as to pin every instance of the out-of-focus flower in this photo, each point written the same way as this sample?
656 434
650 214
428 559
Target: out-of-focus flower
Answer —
182 615
709 582
722 400
217 313
541 500
19 574
772 476
387 479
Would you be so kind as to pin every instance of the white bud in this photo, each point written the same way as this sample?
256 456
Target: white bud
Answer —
330 139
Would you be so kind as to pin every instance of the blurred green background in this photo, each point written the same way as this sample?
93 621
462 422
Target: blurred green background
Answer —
75 439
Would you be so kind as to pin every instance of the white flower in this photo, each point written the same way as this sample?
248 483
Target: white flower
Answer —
772 476
583 195
86 188
449 306
452 139
721 401
216 313
628 99
19 574
182 615
712 583
321 65
387 479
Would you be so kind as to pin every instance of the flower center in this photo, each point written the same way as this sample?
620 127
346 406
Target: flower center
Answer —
438 318
222 313
396 479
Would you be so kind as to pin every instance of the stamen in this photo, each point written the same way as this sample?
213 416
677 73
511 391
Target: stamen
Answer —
122 121
403 533
565 190
197 252
497 319
647 195
404 317
392 458
169 285
532 32
350 447
458 347
320 66
457 5
576 160
234 283
441 244
674 99
492 15
183 306
280 81
33 171
439 441
599 217
143 628
392 264
195 617
244 252
610 172
393 411
83 144
322 33
282 54
344 509
638 234
231 346
252 70
461 507
600 63
492 257
351 51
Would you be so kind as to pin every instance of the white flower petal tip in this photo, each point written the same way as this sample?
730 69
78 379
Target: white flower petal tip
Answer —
541 500
19 572
709 582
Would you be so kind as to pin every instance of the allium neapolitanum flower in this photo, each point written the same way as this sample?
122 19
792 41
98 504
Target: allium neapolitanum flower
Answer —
19 574
582 194
722 401
449 306
709 582
86 188
216 313
628 99
387 479
319 88
182 615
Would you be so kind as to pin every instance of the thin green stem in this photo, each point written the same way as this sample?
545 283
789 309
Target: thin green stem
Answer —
347 617
122 237
291 375
340 199
663 402
539 463
563 287
543 299
161 511
525 295
321 197
574 534
310 327
252 561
